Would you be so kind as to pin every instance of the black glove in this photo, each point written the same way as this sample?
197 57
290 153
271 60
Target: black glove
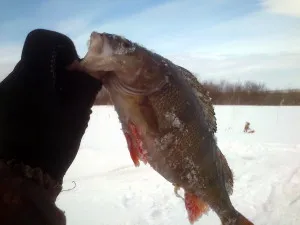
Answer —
45 109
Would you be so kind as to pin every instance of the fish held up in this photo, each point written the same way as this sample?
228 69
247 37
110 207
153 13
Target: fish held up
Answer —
168 121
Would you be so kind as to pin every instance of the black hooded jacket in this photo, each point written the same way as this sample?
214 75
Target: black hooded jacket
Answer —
45 109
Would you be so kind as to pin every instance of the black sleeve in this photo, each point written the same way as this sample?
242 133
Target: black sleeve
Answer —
78 90
76 101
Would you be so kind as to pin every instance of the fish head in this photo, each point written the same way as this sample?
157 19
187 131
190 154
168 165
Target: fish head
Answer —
108 52
133 65
109 45
105 52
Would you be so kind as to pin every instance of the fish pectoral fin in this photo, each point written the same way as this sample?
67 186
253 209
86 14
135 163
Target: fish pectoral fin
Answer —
195 207
134 144
242 220
132 150
137 138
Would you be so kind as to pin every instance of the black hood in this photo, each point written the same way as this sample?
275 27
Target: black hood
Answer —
42 48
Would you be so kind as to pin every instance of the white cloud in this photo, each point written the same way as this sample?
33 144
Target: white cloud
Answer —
72 26
9 56
253 45
5 69
275 70
283 7
154 24
159 28
10 52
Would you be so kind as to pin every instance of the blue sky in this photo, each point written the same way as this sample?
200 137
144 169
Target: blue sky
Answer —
216 39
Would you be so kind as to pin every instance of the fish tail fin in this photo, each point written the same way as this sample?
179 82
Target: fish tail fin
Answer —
242 220
195 207
225 171
237 219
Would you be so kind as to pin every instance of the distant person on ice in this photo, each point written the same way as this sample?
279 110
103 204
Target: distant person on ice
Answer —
247 128
45 107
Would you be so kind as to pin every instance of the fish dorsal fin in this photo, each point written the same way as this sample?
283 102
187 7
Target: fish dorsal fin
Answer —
203 98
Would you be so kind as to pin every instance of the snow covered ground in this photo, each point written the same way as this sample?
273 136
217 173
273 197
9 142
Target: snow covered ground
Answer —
266 165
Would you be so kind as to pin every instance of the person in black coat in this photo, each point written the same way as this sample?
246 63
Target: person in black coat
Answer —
45 107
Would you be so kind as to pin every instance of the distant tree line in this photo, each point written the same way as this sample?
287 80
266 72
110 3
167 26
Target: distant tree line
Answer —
249 93
246 93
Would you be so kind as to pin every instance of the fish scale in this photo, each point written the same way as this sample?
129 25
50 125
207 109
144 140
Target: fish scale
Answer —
173 118
188 140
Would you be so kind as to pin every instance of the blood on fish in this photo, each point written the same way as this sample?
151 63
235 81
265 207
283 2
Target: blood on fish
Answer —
134 144
195 207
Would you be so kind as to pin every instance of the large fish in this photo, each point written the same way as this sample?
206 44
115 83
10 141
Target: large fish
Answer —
168 121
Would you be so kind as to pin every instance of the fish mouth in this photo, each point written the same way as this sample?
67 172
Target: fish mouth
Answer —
95 35
96 42
100 44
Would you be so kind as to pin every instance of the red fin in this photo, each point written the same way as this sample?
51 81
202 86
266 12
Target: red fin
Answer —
243 220
133 153
195 207
137 137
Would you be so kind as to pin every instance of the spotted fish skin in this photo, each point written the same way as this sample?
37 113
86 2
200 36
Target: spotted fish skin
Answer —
169 122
